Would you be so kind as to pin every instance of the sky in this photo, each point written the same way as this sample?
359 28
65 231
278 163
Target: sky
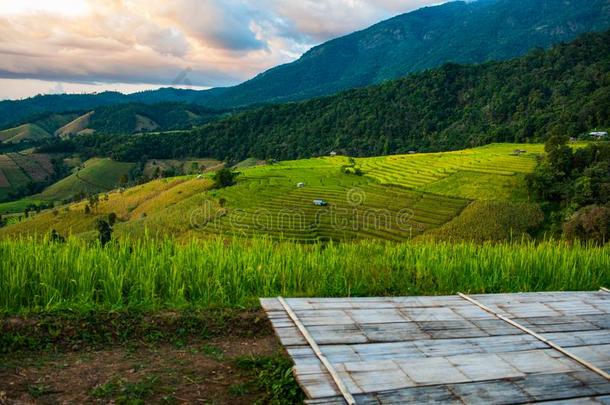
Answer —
78 46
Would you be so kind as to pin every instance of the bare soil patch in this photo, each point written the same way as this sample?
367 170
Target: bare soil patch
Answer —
200 372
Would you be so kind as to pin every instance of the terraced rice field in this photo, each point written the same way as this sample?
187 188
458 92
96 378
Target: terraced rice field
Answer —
3 180
13 173
33 167
490 172
43 160
268 201
17 170
397 197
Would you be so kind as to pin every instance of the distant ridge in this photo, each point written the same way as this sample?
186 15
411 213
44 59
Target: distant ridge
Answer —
115 119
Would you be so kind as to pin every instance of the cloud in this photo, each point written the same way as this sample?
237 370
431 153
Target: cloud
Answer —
152 41
220 24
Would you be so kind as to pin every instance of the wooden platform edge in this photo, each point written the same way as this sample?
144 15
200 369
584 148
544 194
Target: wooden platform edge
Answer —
553 345
316 349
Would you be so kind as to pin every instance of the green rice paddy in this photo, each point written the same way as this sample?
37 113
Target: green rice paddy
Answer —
151 274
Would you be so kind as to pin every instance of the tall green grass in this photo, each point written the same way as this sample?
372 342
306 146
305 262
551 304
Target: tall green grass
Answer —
40 275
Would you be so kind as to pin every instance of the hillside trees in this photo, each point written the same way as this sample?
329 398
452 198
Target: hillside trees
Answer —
564 91
575 186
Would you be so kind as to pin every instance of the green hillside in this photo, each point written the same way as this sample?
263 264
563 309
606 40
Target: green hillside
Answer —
96 176
134 118
565 90
52 122
78 126
119 119
392 198
16 111
25 132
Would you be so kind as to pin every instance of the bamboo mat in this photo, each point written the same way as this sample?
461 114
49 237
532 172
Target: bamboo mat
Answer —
478 349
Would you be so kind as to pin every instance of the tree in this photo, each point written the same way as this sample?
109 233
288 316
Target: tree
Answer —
104 231
225 178
559 155
591 223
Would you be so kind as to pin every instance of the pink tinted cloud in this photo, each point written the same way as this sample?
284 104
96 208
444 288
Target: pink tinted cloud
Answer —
140 41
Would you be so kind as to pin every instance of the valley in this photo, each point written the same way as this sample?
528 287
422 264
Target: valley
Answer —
388 198
392 176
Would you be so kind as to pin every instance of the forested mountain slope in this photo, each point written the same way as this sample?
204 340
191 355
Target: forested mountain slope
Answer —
460 32
565 90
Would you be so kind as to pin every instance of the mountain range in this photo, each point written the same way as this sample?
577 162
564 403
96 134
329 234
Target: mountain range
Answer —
459 32
561 91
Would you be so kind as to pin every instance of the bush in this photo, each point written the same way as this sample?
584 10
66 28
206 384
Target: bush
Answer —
54 236
591 223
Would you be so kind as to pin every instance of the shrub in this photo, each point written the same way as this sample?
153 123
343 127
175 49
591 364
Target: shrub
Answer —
104 231
54 236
